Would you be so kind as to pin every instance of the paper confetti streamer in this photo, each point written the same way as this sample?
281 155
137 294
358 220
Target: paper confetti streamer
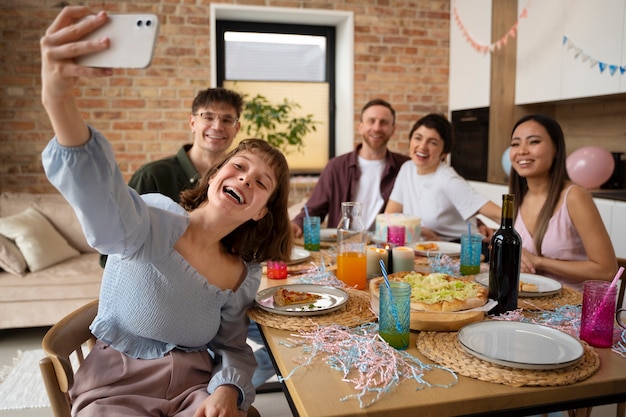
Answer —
365 360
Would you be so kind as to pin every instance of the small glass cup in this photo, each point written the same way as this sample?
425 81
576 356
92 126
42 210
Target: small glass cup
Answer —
311 226
471 248
396 234
394 318
598 313
276 270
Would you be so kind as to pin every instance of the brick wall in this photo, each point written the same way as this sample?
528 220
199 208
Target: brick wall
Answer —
401 54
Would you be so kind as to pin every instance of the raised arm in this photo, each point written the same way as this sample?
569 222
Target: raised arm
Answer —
59 46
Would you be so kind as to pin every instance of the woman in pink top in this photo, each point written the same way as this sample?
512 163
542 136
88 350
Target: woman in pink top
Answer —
562 233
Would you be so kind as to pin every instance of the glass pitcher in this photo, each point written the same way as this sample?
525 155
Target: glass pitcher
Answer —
351 246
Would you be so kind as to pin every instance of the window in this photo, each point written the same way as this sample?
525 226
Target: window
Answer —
293 62
340 91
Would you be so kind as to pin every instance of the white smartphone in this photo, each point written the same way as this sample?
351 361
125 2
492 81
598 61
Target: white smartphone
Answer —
133 38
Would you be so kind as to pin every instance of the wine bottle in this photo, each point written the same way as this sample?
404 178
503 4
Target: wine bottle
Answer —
505 261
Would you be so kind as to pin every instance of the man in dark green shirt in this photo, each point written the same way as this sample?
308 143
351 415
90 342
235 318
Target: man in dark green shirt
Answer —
168 176
214 122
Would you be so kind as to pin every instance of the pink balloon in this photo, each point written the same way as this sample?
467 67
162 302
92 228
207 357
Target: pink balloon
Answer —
590 166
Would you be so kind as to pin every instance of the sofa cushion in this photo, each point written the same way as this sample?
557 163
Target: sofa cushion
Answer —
11 259
40 243
55 208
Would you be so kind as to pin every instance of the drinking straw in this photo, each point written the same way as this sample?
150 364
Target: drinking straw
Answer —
306 212
394 312
605 299
620 271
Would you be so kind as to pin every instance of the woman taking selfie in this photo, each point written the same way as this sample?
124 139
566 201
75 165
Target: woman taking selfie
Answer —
171 323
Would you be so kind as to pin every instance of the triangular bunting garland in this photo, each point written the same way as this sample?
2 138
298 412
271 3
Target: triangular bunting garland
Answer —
584 57
481 47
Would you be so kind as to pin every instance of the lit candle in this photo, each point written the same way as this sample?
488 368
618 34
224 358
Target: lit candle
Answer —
374 255
403 259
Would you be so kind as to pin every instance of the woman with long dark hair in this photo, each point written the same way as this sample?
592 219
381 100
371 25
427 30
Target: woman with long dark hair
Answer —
562 233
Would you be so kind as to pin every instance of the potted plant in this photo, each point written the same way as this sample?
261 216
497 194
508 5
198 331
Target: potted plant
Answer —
275 122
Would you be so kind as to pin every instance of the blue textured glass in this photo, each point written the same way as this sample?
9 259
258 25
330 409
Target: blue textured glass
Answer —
394 320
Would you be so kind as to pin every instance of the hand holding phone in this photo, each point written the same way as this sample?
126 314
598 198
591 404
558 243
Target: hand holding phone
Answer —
132 40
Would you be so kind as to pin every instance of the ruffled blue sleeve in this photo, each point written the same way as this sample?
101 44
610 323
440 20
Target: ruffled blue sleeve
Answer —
113 216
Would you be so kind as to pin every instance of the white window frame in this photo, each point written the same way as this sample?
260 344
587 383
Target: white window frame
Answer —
344 60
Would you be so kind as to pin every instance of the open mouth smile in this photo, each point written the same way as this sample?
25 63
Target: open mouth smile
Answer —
234 194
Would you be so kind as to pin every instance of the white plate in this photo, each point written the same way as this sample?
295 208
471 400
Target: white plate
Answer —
299 255
444 248
328 235
520 345
332 299
546 286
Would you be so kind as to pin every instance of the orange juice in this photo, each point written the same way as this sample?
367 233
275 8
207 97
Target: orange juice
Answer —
352 269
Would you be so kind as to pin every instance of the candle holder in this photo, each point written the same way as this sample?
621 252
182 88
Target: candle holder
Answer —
375 254
389 247
403 259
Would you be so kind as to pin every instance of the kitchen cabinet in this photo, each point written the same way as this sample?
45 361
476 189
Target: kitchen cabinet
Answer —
596 28
539 47
548 70
613 213
618 228
605 207
470 70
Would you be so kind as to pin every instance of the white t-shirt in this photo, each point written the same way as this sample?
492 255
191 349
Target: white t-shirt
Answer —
368 191
443 200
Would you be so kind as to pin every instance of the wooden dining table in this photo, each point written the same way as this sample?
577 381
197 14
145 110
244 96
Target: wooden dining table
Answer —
317 390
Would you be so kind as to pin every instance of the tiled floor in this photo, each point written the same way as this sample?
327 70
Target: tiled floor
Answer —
269 404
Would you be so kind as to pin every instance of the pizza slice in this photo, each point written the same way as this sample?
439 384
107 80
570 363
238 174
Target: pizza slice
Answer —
284 297
427 246
528 287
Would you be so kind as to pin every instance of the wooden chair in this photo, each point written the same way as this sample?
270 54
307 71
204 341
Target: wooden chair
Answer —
63 343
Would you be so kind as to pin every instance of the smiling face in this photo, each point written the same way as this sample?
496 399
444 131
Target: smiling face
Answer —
532 150
376 127
426 149
214 136
243 185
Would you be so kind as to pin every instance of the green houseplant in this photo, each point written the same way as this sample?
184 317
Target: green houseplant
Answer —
275 122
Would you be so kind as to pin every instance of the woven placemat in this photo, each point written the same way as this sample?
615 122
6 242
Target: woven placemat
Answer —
567 296
445 349
356 312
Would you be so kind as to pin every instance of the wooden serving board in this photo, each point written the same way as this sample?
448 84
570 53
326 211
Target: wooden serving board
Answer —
443 322
439 322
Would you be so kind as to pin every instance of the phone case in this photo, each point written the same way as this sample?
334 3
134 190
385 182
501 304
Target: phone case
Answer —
132 36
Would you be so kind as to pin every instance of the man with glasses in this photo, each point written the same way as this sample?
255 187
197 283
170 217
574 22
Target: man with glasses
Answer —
214 123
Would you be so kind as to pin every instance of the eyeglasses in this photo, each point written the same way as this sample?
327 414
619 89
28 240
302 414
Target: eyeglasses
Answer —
226 119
